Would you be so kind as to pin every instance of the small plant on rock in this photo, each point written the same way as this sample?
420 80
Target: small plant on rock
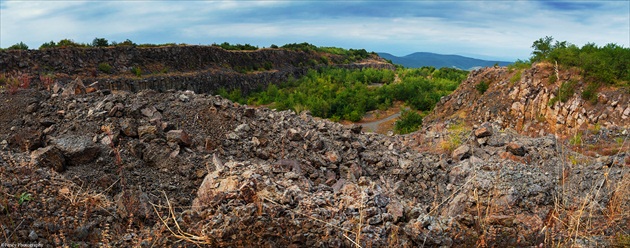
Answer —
482 87
136 71
105 67
24 197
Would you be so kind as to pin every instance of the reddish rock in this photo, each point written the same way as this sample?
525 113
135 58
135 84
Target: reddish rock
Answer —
483 131
180 137
516 149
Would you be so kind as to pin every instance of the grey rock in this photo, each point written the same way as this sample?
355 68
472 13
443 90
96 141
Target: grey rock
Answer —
461 153
78 150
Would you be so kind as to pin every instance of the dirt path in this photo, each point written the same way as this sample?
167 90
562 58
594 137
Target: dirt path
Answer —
373 126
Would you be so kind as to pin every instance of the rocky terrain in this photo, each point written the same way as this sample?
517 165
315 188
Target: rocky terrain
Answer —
203 69
185 169
522 103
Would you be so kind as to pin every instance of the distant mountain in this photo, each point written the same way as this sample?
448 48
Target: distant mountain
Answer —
420 59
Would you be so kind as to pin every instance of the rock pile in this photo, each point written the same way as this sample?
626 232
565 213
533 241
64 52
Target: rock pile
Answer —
232 175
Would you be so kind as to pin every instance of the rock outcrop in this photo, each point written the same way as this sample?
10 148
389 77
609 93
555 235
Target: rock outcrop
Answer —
526 104
203 69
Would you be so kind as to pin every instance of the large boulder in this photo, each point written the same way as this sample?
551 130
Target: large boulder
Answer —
78 150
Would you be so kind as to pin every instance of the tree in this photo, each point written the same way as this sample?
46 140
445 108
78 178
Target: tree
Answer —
100 42
50 44
542 48
19 46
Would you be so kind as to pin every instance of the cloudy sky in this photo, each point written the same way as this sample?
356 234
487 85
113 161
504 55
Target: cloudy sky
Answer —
485 29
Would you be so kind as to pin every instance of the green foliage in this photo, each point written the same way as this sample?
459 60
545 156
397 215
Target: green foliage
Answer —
566 91
482 87
348 94
542 48
228 46
609 64
234 95
576 140
100 42
105 67
18 46
127 42
408 122
519 65
590 92
24 197
350 54
516 77
50 44
136 71
69 43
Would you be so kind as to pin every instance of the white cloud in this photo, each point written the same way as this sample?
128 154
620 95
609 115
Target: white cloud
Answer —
494 28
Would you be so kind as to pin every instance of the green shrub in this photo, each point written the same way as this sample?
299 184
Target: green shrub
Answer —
566 90
105 67
19 46
482 87
408 122
590 92
519 65
516 77
136 71
100 42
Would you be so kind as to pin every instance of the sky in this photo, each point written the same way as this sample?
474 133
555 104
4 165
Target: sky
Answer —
483 29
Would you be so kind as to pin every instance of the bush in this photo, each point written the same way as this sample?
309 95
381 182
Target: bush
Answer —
516 77
105 67
50 44
566 90
519 65
482 87
19 46
228 46
408 122
136 71
590 92
100 42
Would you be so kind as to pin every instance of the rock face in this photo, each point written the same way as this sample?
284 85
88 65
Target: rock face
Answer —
524 104
203 69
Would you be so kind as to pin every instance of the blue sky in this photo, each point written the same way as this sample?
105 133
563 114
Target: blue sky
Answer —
485 29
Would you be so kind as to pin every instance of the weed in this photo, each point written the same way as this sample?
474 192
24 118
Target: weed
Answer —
456 135
576 140
105 67
47 81
482 87
516 77
136 71
24 197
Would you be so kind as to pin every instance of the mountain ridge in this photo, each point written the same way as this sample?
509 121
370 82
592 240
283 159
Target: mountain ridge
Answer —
420 59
